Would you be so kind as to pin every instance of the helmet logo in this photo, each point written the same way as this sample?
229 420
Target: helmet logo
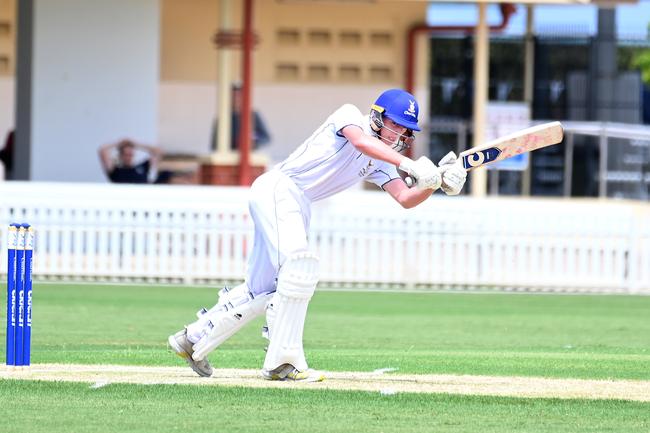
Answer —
411 110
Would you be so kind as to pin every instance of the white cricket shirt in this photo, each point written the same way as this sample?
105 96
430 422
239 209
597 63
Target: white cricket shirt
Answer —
327 163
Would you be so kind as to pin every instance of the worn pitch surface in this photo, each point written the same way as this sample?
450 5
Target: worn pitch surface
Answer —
532 387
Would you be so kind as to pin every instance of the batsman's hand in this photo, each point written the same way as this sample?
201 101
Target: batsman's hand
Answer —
424 171
453 174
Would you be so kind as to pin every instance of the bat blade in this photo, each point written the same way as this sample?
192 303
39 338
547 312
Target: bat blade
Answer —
519 142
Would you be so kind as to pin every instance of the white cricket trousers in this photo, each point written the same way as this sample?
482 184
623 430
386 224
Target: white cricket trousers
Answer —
281 214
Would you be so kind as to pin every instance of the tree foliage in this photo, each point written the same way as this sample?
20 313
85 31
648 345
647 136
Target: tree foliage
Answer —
642 61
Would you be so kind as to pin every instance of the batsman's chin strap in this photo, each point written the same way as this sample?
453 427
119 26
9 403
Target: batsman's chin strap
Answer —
377 122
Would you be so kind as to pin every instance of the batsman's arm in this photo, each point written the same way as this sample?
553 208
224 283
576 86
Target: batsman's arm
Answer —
423 169
371 146
405 196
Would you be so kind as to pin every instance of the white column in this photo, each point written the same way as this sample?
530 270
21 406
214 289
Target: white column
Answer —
224 81
89 75
481 80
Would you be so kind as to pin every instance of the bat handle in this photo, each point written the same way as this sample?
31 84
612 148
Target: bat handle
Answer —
410 181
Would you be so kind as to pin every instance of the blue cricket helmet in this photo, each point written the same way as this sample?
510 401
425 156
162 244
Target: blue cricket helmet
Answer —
399 106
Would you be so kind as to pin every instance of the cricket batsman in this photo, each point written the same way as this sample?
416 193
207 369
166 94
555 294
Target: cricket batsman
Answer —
282 272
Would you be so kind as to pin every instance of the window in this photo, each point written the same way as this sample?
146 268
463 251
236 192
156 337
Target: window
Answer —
350 72
381 39
320 37
350 38
288 37
287 71
318 72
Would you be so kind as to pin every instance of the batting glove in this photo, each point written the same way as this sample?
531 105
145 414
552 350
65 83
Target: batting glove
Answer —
453 174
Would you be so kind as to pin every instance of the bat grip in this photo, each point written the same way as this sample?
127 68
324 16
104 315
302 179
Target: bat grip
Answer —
410 181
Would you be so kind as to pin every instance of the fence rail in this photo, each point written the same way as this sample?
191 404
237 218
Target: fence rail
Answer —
96 232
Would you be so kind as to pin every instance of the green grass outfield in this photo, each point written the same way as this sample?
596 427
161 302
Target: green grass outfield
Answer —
558 336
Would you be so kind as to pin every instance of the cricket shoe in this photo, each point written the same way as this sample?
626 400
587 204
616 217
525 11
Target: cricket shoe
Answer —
183 348
290 373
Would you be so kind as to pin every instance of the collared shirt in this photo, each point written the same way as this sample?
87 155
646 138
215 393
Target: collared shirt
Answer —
327 163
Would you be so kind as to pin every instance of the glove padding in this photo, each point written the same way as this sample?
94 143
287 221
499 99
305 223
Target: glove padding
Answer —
424 171
453 174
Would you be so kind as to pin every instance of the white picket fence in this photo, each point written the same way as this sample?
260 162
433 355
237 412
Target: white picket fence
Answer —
103 232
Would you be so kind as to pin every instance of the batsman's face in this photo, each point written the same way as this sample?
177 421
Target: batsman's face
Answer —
392 131
395 135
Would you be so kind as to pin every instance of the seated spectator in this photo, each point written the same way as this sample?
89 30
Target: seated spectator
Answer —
122 168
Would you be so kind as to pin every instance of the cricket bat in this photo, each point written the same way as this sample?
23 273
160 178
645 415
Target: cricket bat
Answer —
505 147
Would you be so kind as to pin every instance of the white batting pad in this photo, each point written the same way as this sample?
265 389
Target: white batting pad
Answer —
222 323
196 330
297 281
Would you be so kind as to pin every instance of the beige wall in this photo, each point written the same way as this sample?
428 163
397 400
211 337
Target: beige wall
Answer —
300 41
186 50
7 37
334 41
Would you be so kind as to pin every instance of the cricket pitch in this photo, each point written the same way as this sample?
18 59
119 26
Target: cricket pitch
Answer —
529 387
